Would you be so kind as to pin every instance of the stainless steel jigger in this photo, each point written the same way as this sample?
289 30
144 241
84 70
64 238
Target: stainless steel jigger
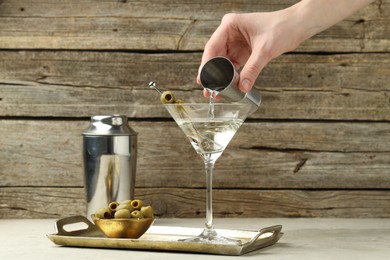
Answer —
218 74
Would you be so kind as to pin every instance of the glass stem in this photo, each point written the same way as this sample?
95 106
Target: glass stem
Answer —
209 197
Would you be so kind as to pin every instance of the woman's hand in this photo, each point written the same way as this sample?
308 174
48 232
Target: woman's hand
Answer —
252 40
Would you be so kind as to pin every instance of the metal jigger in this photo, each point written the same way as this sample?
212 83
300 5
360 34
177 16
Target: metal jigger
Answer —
218 74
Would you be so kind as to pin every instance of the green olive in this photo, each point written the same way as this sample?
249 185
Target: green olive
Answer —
125 206
112 206
147 211
125 202
103 213
137 214
167 97
137 204
122 213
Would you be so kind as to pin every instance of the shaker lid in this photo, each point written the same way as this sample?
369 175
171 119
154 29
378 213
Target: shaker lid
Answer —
109 125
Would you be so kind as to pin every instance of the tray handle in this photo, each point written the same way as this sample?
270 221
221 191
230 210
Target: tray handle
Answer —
61 223
275 230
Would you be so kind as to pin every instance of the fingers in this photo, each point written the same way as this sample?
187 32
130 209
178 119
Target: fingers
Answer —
231 42
251 71
212 50
216 46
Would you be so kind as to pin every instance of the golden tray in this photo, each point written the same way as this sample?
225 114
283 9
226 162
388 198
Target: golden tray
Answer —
164 238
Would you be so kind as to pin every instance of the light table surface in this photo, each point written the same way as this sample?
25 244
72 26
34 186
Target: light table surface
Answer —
303 239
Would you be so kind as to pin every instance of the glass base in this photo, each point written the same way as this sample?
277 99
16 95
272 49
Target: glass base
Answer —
211 237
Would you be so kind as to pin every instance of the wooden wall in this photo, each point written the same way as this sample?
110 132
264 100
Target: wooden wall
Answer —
319 146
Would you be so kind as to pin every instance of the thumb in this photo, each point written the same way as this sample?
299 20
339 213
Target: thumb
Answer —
250 72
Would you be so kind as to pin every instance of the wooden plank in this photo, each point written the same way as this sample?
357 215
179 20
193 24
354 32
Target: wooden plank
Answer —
80 84
262 155
196 9
190 203
165 8
166 25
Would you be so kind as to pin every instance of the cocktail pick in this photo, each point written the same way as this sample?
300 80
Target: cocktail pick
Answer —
167 97
152 85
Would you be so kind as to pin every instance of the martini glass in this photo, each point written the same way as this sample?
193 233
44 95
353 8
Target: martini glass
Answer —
209 128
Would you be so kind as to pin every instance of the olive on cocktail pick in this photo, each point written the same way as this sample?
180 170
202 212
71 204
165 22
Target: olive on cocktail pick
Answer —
166 97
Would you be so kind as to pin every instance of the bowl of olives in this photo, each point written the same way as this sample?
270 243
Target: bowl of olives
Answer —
128 219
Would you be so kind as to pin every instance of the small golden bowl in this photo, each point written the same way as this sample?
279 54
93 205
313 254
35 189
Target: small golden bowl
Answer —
123 228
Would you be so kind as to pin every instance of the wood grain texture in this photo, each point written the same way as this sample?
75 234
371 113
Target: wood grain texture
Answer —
80 84
262 155
319 146
184 203
164 25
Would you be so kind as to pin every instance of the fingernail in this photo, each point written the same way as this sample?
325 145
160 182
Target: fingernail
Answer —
246 85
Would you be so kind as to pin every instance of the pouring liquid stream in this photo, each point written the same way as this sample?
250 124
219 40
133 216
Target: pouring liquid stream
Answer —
213 97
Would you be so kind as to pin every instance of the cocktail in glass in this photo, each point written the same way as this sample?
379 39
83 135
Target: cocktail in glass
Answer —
209 127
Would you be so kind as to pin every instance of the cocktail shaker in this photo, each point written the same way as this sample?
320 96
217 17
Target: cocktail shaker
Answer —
110 157
218 74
